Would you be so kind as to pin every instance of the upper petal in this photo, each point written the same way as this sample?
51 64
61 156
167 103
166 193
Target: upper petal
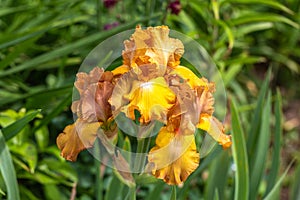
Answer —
183 116
152 45
205 100
84 80
95 91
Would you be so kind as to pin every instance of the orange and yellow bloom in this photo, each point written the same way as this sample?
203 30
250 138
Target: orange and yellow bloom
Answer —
152 82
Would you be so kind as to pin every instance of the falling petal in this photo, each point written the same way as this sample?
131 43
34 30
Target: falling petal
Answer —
77 137
215 129
174 157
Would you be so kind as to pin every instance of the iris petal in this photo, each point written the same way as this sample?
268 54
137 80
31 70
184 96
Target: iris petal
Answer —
152 99
174 157
215 129
189 76
77 137
152 45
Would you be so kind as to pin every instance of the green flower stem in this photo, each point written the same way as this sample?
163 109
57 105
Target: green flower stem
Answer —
131 195
142 147
99 182
173 193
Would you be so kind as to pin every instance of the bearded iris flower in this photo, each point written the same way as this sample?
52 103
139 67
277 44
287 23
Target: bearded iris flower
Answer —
152 82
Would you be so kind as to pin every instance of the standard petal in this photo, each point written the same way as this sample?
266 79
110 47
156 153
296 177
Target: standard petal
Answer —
93 104
152 45
205 100
84 80
174 157
183 116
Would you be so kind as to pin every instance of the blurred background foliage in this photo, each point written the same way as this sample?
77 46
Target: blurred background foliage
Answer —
255 44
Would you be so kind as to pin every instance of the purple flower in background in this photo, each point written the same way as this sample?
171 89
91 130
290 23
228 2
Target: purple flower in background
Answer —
111 25
175 7
109 3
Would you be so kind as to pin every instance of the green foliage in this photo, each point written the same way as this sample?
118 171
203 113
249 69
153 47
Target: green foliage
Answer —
7 171
33 158
43 43
240 157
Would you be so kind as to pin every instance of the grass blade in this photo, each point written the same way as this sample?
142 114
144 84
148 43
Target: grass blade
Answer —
115 189
249 28
66 49
57 110
22 38
11 10
239 156
217 177
231 73
11 130
131 195
228 32
99 179
216 197
44 94
154 193
273 194
261 147
255 123
270 3
263 17
277 144
8 171
295 191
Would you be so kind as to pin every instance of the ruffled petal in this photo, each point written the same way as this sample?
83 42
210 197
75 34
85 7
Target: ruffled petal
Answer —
183 116
77 137
203 89
94 92
152 45
204 99
174 157
215 129
84 80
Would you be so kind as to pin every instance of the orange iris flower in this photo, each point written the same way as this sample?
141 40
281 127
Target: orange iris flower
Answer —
152 82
